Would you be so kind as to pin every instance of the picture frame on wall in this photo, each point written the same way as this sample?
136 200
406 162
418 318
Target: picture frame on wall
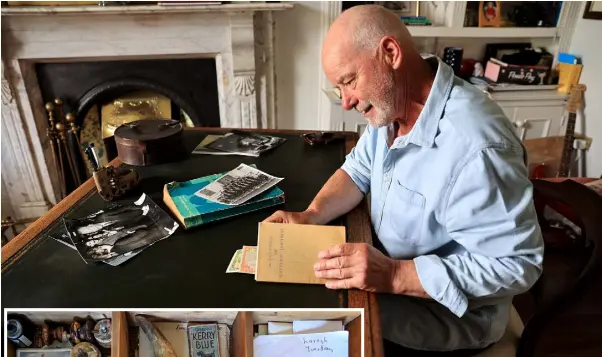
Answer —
593 10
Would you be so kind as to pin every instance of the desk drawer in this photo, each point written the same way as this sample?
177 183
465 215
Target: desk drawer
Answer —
242 325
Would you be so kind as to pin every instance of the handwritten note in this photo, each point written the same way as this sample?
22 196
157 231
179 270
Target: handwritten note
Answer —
329 344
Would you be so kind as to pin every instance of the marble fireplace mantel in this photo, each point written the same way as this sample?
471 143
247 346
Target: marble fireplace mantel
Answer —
238 36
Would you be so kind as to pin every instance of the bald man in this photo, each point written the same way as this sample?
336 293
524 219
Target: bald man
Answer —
451 202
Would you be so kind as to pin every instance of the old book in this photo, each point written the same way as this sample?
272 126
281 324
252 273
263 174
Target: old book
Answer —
192 210
176 334
203 340
286 253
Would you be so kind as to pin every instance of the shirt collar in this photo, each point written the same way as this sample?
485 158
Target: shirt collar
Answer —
425 130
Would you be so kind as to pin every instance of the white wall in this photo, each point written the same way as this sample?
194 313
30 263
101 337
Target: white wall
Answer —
584 44
297 55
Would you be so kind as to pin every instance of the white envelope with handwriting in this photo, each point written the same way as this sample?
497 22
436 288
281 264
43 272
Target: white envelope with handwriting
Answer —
331 344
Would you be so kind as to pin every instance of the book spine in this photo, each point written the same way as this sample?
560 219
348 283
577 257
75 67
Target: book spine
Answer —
236 211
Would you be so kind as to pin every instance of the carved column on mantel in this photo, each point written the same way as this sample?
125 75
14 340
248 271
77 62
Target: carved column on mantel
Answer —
243 65
19 169
264 65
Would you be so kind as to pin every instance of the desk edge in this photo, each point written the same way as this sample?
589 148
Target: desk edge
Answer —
16 246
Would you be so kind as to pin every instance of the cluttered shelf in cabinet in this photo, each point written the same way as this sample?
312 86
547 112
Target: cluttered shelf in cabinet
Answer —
241 323
239 328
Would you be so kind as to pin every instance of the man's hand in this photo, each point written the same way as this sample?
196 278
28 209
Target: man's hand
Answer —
356 265
305 217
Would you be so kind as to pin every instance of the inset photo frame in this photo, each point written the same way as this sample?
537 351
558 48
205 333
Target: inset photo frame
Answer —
593 10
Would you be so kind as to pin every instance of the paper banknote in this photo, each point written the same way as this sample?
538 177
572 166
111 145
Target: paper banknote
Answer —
234 266
249 260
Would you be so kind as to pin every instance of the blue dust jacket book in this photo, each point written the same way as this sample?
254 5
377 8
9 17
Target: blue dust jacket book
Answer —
192 210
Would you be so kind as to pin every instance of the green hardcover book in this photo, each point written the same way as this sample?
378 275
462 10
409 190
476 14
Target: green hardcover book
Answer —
192 210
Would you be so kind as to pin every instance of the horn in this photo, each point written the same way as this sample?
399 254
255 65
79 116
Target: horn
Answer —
161 347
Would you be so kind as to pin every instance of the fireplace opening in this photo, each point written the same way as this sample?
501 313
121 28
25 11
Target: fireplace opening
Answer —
100 96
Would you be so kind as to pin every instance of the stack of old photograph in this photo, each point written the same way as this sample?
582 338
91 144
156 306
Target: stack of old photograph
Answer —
238 143
238 186
118 232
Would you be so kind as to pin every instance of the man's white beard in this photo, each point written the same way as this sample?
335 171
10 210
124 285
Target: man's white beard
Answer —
381 119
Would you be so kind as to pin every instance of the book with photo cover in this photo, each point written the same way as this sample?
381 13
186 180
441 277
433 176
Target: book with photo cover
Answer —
192 210
118 229
246 144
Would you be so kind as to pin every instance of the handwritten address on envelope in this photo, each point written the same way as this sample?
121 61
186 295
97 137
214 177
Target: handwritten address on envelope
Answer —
331 344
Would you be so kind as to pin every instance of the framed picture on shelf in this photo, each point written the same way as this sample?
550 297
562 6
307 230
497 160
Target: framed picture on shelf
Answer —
489 13
593 10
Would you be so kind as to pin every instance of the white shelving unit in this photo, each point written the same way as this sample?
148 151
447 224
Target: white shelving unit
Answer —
486 32
536 112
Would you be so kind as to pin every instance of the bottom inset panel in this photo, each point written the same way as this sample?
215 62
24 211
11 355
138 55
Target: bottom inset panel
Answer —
184 333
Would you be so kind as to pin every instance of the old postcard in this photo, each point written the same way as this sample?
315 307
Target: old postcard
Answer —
238 186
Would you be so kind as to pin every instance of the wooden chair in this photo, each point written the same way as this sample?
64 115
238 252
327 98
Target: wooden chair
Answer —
569 265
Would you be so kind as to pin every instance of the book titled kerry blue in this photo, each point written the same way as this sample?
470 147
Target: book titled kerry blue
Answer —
203 340
192 210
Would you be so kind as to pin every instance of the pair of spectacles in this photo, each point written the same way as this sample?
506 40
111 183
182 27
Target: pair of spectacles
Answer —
322 137
337 92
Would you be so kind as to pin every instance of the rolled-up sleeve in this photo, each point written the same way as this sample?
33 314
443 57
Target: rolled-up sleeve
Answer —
490 212
358 163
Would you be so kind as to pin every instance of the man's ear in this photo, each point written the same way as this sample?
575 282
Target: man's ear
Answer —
390 51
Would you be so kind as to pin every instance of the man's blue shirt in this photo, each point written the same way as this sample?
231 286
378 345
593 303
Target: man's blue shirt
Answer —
453 195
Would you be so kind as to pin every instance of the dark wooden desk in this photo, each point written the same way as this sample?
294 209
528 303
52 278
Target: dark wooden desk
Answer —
187 270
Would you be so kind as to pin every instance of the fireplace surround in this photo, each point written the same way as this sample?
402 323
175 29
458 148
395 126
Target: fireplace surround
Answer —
238 37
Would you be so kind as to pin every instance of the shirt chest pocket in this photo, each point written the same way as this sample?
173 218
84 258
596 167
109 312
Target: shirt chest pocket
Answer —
406 213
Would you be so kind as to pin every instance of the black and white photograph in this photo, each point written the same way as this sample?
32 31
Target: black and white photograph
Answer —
62 236
238 186
119 230
246 144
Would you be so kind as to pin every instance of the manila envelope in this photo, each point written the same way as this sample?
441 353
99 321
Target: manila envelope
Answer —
286 253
